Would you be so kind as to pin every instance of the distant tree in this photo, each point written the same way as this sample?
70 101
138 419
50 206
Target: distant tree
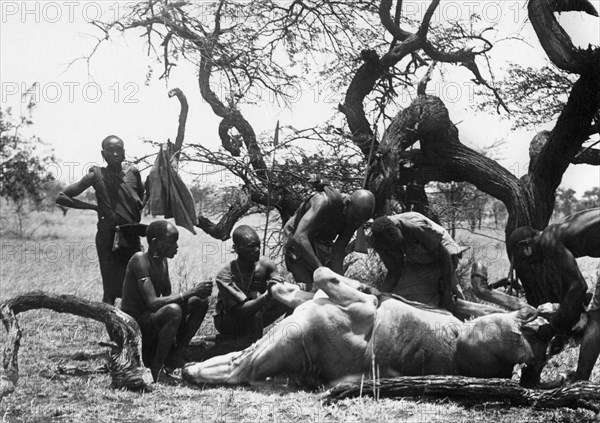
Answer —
459 205
23 168
498 212
590 199
51 190
566 203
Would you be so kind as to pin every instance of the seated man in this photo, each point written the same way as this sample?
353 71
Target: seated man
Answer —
167 321
320 230
244 304
418 254
575 236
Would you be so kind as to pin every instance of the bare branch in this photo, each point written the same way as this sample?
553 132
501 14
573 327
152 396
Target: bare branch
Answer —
556 42
424 27
222 230
176 92
392 26
423 83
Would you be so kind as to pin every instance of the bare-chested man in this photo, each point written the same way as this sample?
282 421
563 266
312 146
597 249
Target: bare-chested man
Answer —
119 194
320 230
576 236
245 305
167 321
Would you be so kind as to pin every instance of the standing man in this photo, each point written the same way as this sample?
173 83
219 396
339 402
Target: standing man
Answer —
244 304
578 235
119 194
420 257
320 230
167 321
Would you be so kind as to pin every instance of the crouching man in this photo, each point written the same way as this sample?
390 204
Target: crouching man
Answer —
167 321
245 305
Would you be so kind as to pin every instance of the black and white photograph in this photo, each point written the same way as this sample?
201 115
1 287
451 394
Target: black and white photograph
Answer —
300 211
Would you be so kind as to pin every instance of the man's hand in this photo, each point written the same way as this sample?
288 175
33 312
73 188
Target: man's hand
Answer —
302 286
204 289
547 310
447 301
275 279
556 345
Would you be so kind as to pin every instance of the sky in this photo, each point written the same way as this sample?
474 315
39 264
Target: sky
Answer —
119 92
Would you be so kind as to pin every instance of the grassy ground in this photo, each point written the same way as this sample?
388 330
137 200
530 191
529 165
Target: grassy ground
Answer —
59 256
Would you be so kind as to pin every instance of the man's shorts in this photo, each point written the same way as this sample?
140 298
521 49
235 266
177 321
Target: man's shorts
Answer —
113 264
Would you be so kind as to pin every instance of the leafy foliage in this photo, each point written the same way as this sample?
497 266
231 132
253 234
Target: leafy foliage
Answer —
23 167
23 170
566 203
537 95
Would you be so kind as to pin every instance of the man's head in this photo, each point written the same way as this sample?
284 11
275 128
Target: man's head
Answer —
359 207
162 238
246 243
385 235
524 242
113 150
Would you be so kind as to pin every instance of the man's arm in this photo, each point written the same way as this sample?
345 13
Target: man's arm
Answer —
250 307
339 249
154 302
66 198
306 228
572 303
234 299
394 264
288 229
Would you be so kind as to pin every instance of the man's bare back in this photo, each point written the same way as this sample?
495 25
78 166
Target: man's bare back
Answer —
578 233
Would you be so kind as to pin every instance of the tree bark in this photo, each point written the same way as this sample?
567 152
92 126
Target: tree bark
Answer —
124 362
222 229
576 395
176 92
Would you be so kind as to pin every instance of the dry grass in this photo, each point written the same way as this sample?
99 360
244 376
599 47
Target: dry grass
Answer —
59 257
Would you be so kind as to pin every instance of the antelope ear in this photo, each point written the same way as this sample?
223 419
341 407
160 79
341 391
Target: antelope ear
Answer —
526 314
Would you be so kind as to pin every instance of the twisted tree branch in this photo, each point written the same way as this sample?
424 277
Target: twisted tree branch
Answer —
124 362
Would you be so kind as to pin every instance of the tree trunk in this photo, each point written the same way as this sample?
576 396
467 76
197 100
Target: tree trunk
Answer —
124 362
574 395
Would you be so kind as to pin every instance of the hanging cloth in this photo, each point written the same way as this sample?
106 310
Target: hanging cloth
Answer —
168 195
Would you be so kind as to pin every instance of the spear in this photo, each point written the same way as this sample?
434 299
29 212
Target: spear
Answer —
361 240
275 142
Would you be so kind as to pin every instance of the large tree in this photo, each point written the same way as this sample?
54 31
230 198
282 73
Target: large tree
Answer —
371 51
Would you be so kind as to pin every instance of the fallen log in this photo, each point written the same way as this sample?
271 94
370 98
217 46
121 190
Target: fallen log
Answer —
124 360
573 395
